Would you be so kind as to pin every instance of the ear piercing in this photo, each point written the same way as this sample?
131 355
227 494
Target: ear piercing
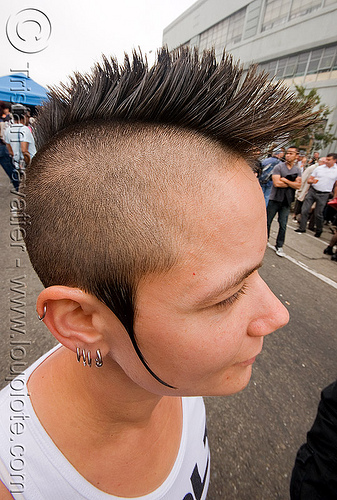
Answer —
87 360
87 357
41 318
98 360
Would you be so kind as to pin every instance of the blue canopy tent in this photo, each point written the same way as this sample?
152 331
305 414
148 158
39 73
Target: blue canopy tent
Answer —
18 88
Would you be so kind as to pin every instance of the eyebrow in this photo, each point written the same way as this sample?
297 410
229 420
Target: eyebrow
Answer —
230 283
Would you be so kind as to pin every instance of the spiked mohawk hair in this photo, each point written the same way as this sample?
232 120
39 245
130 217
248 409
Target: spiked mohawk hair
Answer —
184 90
120 152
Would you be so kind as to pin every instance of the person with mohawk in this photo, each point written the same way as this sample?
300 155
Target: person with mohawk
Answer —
151 286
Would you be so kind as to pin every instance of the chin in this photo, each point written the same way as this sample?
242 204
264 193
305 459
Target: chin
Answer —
225 386
235 383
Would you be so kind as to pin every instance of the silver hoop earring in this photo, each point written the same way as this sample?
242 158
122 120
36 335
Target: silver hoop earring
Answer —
89 359
99 360
84 358
41 318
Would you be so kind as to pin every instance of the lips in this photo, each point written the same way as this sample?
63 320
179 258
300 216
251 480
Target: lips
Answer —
247 362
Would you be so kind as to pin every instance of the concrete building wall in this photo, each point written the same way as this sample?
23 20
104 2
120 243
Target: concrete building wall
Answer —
327 90
304 33
317 29
198 18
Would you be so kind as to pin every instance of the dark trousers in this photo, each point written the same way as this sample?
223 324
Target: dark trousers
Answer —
320 199
297 207
273 208
7 165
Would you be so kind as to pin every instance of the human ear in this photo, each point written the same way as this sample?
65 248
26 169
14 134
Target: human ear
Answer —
74 317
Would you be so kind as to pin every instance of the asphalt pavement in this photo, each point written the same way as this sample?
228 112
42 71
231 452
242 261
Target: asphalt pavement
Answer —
254 435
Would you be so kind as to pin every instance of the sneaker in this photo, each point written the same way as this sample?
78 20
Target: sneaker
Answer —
328 250
280 252
300 230
318 234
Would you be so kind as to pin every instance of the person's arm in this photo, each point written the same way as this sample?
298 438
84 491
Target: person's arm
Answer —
312 180
26 155
277 182
6 140
296 184
10 150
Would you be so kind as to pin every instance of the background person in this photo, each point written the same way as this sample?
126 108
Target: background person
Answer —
321 183
5 118
5 159
302 191
329 249
265 177
286 179
302 161
315 158
282 155
19 138
8 166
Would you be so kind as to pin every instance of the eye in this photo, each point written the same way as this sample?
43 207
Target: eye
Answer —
233 298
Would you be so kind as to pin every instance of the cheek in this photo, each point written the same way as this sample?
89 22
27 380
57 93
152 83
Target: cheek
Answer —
189 346
225 340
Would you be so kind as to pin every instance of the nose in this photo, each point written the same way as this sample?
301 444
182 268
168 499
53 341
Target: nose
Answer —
269 313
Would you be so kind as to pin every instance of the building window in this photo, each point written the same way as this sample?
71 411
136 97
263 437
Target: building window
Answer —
276 13
235 26
271 68
315 62
291 67
302 64
280 67
227 31
302 7
328 60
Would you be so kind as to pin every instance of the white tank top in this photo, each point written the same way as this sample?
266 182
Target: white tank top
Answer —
33 468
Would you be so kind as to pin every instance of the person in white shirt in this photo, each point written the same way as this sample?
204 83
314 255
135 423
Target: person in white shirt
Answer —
321 183
18 137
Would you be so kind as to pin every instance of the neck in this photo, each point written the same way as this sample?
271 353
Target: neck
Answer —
105 395
94 413
118 399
